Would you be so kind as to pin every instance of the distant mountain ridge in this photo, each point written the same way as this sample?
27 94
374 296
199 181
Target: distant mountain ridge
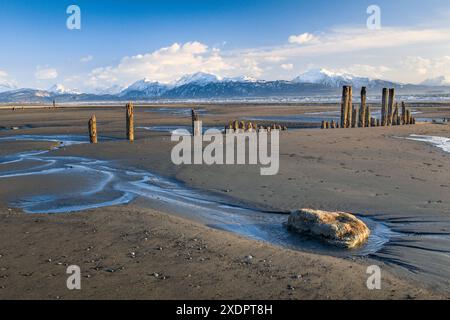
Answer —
318 82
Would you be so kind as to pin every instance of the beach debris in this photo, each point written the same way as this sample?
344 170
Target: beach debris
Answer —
130 121
340 229
93 129
248 259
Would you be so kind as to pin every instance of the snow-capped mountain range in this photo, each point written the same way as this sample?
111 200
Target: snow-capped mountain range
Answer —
318 82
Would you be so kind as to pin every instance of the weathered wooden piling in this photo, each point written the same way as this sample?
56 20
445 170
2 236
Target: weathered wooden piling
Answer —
373 122
391 102
236 125
196 127
344 106
368 116
93 129
350 107
403 112
378 123
130 121
333 124
384 106
354 116
362 109
395 115
408 116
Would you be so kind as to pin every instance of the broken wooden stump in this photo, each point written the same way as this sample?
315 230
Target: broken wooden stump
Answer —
390 106
350 107
403 113
93 129
384 106
395 116
344 106
196 125
362 109
130 121
333 124
368 116
236 125
354 116
408 116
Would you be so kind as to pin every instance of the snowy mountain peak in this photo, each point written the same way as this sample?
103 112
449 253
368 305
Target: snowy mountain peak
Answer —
329 78
199 78
146 87
240 79
142 84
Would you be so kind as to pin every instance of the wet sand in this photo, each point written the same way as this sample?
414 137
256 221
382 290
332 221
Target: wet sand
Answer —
371 172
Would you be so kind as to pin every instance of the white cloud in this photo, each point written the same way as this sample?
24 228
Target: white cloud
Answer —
302 38
45 73
375 54
365 70
287 66
6 83
168 64
87 58
427 67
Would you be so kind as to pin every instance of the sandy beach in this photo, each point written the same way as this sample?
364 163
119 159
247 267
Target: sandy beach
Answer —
149 248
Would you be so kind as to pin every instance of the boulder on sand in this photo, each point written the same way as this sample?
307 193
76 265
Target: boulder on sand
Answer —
337 228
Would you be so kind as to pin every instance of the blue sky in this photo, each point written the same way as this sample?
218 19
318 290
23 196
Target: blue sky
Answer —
123 41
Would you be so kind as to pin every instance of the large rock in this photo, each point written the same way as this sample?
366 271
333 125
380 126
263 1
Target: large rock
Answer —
337 228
